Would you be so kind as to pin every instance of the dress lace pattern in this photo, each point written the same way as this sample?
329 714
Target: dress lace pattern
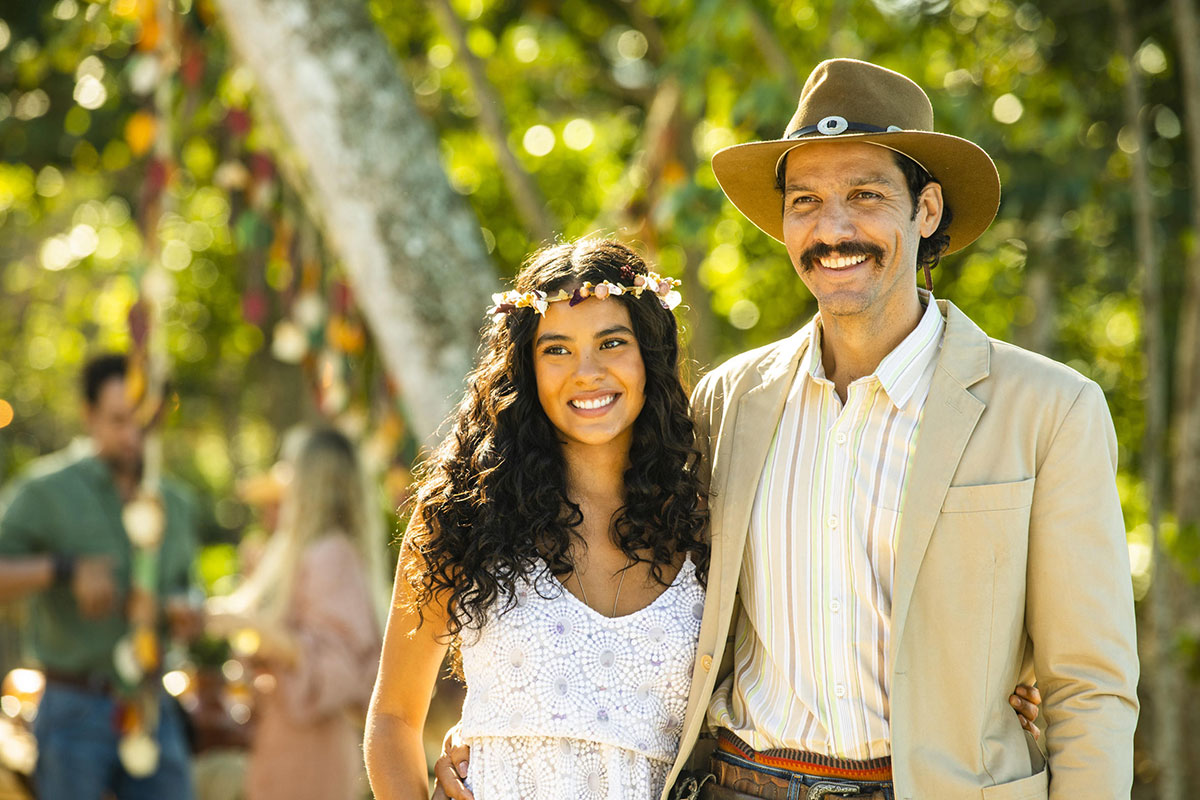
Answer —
565 702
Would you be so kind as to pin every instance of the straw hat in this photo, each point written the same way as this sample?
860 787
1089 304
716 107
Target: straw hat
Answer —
854 101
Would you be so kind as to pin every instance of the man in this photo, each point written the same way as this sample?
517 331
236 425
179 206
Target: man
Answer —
907 516
63 543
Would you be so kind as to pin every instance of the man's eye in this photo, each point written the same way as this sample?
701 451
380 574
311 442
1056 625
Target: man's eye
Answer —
868 195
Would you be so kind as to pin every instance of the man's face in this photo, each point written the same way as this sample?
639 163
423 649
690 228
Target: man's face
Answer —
113 427
849 227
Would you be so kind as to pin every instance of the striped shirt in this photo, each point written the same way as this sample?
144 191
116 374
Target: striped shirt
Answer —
811 639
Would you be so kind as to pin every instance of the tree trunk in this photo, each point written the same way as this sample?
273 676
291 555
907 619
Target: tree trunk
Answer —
411 246
761 28
667 136
1045 243
1187 356
1168 753
1186 477
526 195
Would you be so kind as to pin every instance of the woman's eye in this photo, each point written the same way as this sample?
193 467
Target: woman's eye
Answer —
555 350
611 343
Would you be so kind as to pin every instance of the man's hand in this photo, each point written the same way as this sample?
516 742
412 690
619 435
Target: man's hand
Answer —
185 618
93 586
451 768
1026 699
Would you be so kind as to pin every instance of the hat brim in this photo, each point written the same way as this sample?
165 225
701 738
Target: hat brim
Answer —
970 183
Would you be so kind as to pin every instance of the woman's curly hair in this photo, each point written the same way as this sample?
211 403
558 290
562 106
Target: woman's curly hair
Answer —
493 498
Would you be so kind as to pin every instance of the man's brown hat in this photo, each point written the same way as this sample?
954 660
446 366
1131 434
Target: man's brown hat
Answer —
849 100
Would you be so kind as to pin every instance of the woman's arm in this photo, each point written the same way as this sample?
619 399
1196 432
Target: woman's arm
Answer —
412 656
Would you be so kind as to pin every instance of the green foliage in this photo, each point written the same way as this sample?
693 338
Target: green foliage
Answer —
1037 85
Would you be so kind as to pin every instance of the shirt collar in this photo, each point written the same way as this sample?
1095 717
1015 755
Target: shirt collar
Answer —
900 371
94 468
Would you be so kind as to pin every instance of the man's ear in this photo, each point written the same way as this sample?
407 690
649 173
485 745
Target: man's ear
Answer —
929 208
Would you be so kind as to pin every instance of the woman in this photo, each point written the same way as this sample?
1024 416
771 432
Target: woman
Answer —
557 537
313 603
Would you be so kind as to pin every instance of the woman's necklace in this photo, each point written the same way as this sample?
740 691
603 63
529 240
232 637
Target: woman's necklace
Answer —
616 598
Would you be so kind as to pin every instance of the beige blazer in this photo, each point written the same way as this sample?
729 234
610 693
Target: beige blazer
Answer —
1011 560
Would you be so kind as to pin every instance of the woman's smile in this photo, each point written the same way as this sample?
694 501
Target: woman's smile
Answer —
594 405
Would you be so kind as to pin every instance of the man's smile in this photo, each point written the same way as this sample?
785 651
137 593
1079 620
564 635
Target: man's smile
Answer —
842 262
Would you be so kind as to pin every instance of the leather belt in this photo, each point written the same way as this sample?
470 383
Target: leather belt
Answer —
735 782
95 684
742 773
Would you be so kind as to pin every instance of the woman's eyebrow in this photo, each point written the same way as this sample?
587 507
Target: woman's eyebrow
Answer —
614 329
552 337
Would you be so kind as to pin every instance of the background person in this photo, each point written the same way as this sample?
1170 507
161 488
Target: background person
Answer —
63 544
314 605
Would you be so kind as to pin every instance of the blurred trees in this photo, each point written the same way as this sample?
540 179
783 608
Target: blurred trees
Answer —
597 115
410 244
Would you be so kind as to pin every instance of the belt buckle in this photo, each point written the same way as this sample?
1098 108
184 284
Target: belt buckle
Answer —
822 789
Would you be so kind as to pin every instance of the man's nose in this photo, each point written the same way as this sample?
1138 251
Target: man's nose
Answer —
833 224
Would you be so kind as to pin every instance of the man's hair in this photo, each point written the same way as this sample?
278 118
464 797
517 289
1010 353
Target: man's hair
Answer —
99 371
931 248
929 252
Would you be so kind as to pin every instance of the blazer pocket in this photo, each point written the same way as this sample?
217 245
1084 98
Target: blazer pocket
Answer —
988 497
1035 787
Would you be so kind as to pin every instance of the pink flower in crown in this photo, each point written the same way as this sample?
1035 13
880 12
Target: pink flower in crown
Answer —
602 291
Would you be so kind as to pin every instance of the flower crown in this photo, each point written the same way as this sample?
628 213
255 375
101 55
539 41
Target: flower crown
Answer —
539 301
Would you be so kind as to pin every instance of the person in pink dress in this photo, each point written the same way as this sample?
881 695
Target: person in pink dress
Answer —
314 605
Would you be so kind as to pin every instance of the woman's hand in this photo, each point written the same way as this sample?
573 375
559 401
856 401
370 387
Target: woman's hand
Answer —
271 645
1025 700
451 768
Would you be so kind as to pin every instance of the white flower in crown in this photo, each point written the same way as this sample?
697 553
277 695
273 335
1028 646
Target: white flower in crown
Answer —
512 299
663 288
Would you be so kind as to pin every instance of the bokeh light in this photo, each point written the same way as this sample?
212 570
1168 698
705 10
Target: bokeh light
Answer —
1007 109
539 140
579 134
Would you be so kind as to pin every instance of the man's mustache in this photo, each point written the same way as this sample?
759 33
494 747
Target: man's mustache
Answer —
820 250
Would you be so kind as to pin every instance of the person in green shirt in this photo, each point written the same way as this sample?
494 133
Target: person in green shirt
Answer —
63 545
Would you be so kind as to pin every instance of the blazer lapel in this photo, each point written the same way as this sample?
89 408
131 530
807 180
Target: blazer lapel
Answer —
757 419
741 452
948 420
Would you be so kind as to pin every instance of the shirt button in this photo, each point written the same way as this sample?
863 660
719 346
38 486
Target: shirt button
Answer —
839 690
835 606
706 662
840 438
831 522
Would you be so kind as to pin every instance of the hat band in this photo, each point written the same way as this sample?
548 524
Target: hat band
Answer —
834 125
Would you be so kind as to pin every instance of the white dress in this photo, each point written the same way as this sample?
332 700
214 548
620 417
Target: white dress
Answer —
563 702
